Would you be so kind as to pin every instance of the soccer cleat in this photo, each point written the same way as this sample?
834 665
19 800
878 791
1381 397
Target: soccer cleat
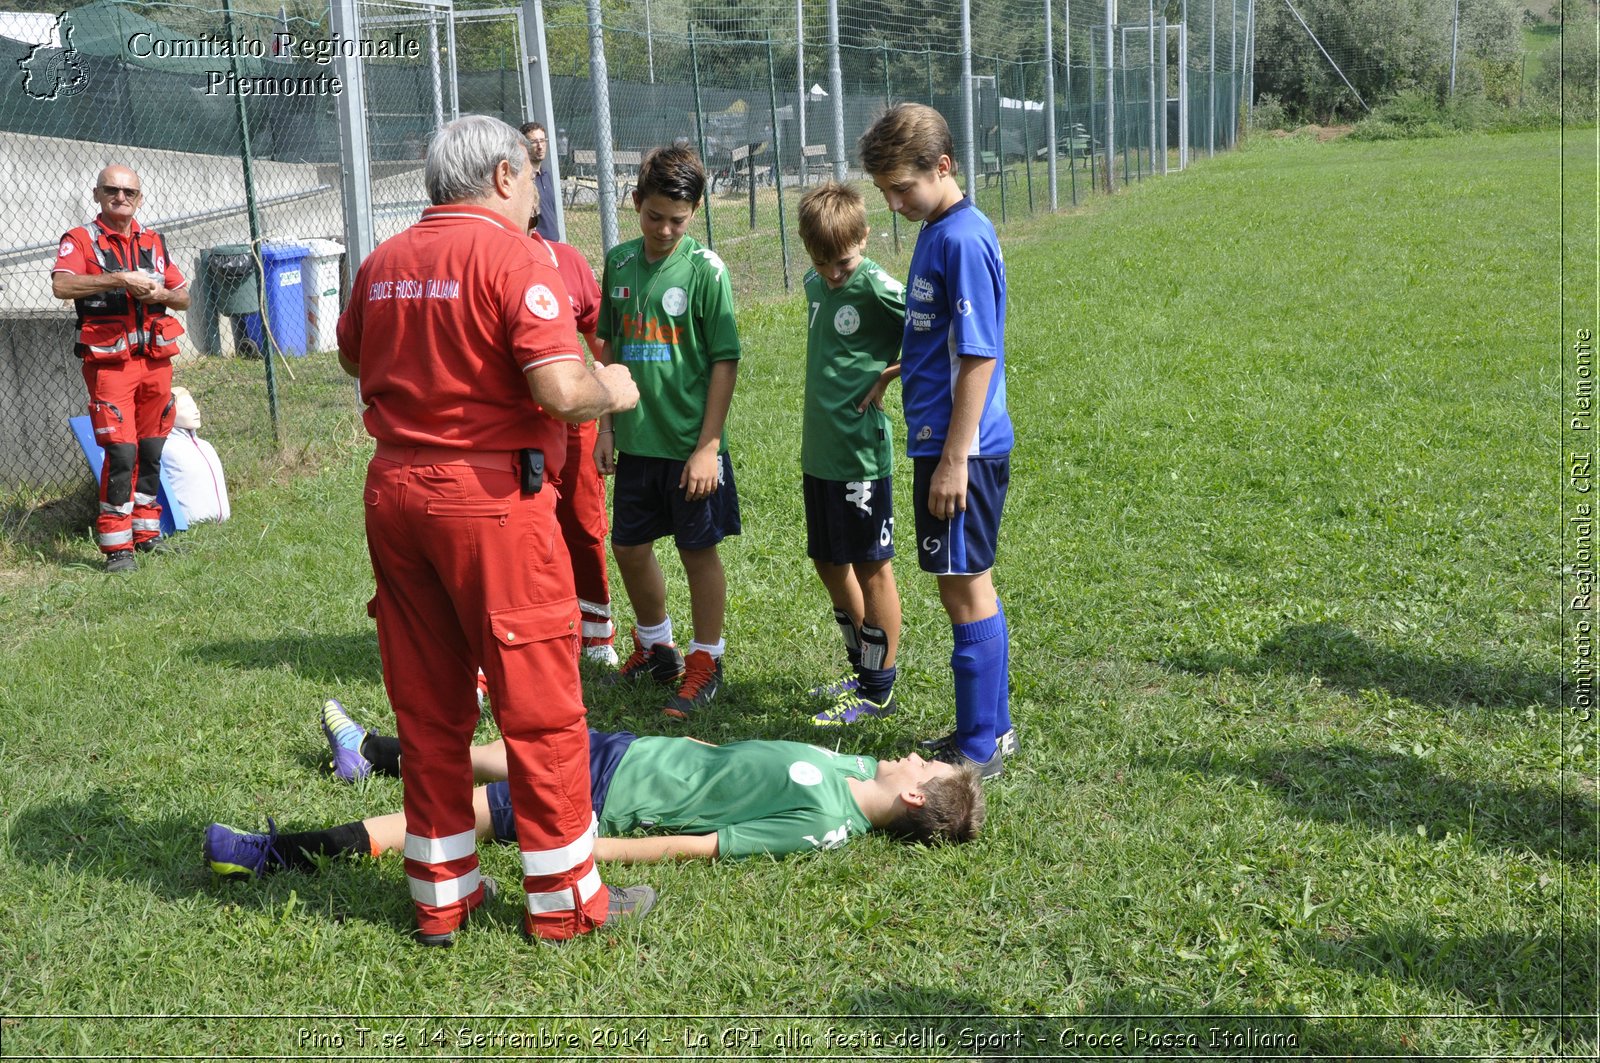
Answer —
446 939
828 692
987 769
121 561
344 737
702 678
850 707
629 902
661 662
1006 743
230 851
602 652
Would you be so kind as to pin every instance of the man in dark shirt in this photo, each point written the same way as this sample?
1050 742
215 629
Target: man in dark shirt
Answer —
538 148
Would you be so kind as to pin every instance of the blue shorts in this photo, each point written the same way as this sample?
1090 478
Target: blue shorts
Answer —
605 753
647 504
849 521
965 544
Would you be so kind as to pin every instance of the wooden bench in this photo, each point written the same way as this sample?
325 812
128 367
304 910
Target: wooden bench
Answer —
741 167
585 174
989 166
814 156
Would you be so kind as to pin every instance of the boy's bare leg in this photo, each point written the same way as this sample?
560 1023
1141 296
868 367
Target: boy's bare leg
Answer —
968 599
708 593
489 762
644 582
844 590
388 833
881 602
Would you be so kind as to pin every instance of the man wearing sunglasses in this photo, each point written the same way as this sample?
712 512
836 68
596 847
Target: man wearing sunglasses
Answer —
124 286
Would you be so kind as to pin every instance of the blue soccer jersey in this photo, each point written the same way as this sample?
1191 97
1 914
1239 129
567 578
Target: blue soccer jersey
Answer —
955 305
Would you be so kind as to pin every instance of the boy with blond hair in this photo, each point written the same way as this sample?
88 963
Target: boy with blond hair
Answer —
856 314
666 313
958 431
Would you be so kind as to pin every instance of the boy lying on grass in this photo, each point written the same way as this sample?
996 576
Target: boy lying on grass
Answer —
700 800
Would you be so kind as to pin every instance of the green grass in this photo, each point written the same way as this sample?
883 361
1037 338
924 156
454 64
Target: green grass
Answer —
1279 558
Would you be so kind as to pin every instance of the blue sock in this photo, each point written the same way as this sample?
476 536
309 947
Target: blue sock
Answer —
1002 712
979 664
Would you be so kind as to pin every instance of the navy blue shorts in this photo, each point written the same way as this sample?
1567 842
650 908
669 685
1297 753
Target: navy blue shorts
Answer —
647 504
605 753
965 544
849 521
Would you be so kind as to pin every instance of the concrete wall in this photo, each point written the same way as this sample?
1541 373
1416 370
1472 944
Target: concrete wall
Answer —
40 387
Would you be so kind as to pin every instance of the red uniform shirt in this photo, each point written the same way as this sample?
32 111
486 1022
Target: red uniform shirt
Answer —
75 255
582 288
443 322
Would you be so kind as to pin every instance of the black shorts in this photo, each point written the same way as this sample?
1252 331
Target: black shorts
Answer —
965 544
848 522
647 504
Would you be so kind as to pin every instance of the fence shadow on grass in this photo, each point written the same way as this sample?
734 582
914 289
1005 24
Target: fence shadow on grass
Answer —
1509 972
44 530
329 659
97 835
1345 660
1342 782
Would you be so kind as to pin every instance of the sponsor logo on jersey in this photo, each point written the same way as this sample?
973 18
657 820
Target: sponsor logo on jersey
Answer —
932 544
713 258
805 773
889 282
674 301
922 289
846 321
638 327
964 306
921 320
65 249
924 434
831 840
541 302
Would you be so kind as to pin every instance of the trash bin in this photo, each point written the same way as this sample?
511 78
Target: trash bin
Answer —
227 287
321 279
286 299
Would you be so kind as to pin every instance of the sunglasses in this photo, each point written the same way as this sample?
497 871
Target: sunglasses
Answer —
112 191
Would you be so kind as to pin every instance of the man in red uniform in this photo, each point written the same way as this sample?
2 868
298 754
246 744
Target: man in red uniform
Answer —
581 506
123 284
462 336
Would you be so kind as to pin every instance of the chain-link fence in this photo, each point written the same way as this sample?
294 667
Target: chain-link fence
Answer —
230 118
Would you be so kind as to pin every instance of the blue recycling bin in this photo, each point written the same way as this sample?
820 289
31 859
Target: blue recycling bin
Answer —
286 299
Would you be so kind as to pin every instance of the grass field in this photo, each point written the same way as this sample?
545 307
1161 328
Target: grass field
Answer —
1281 563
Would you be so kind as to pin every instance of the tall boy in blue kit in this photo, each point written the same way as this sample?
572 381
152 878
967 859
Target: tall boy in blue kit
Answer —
958 433
667 313
855 316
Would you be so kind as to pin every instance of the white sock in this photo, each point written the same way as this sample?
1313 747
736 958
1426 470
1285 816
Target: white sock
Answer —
716 649
660 634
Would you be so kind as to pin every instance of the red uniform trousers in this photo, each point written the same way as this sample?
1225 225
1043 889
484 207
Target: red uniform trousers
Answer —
131 409
581 512
470 571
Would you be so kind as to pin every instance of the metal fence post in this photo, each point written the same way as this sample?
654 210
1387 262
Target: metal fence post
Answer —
888 101
1111 74
604 161
1050 108
836 86
971 155
777 161
544 106
270 343
699 124
1027 144
1150 30
1000 139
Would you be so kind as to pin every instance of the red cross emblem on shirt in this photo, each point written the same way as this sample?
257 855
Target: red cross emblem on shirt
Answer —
541 302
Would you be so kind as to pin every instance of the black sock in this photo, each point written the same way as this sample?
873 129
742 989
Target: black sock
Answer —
384 752
296 850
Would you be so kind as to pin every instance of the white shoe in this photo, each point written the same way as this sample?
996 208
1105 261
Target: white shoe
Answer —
605 653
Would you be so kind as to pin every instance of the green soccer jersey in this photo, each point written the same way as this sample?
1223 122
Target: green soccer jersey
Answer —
667 321
851 335
759 797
